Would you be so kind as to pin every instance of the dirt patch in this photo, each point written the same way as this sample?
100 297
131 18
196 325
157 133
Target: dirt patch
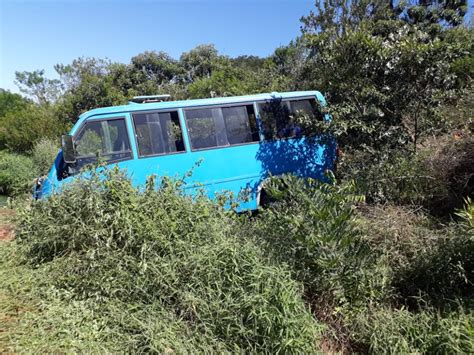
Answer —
7 231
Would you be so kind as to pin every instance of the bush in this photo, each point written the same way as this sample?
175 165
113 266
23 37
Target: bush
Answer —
312 227
44 153
398 331
449 161
16 174
426 260
429 272
438 177
386 177
155 259
21 129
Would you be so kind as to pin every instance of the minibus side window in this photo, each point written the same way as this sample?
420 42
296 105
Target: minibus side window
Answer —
221 126
305 112
158 133
287 119
241 124
206 128
107 139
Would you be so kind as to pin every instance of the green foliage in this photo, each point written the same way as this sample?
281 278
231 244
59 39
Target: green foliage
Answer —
340 16
156 67
399 331
16 174
106 267
337 17
467 217
403 177
10 102
93 92
152 269
43 155
428 267
224 81
451 184
21 129
199 62
388 95
426 262
394 177
460 114
72 74
311 227
34 84
152 254
433 14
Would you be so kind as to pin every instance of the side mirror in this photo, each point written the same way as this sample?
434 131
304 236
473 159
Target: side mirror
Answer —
69 151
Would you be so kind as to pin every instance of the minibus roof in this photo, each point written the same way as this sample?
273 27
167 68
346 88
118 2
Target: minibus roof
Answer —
132 106
135 107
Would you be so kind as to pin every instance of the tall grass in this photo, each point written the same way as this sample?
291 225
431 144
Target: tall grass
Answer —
107 267
399 331
425 258
43 154
144 262
312 227
17 173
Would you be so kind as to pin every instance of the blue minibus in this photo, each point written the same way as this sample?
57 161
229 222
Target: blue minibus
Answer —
239 141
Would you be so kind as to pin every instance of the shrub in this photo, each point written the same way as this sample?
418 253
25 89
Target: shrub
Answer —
399 233
426 260
44 153
386 177
467 217
398 331
21 129
16 174
312 227
448 160
430 283
154 259
438 177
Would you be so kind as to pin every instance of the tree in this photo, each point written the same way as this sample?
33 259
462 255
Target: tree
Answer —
92 92
248 62
10 102
441 12
224 81
72 74
386 80
199 62
35 85
157 67
21 129
336 17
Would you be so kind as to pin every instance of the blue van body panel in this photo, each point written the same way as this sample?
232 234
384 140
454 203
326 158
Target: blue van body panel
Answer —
235 169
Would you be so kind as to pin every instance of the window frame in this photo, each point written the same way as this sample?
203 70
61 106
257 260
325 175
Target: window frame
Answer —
283 100
115 118
234 104
136 137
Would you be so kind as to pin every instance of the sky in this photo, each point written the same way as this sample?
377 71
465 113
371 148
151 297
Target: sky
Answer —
37 34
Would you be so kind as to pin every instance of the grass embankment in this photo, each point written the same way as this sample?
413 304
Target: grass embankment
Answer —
104 267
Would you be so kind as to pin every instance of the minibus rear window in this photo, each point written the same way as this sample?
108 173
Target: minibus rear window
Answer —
158 133
221 126
287 119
